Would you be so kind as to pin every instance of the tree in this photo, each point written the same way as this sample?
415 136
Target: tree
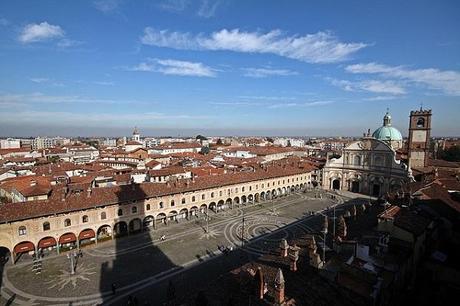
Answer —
219 142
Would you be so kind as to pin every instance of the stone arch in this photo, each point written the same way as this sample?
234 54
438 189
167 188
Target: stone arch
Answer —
135 225
250 198
335 184
212 206
148 221
162 218
283 191
67 240
183 214
262 195
274 194
220 205
256 197
236 200
5 255
194 211
120 229
47 243
172 216
86 236
104 232
203 208
22 248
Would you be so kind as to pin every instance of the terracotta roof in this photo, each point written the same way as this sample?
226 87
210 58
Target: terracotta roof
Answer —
178 145
443 163
117 194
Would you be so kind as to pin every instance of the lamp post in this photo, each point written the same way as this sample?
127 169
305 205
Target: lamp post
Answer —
242 232
71 256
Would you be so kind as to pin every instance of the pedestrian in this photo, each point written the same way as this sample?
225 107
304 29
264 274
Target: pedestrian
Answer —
114 288
80 253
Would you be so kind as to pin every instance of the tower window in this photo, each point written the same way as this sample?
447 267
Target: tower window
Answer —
420 122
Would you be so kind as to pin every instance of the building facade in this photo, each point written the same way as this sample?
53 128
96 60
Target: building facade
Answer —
72 219
367 166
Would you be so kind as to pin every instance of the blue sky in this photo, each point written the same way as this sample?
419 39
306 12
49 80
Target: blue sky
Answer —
183 67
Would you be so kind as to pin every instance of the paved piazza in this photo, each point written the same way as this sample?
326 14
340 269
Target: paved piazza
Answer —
141 264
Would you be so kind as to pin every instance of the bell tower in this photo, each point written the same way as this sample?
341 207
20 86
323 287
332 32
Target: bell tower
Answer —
419 138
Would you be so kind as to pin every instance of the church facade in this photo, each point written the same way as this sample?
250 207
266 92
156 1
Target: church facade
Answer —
369 166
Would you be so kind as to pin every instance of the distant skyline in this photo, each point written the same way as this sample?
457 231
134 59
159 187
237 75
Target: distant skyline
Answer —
183 67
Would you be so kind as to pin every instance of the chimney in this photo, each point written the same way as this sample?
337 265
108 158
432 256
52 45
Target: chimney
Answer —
33 183
260 284
279 288
294 256
284 246
88 192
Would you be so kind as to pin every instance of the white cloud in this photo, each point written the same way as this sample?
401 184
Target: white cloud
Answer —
383 87
107 6
39 80
321 47
99 118
266 98
267 72
40 32
173 5
175 67
35 98
447 81
305 104
381 98
208 8
66 43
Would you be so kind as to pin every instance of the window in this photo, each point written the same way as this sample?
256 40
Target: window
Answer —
120 212
220 193
250 188
134 210
263 185
420 122
172 203
288 180
183 201
236 189
203 196
242 189
103 215
357 160
84 219
161 205
148 207
46 226
67 222
193 199
22 231
212 194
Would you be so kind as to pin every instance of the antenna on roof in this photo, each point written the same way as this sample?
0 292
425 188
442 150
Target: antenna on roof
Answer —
421 106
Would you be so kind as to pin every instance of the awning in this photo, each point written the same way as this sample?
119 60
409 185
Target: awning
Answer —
86 234
24 247
47 242
66 238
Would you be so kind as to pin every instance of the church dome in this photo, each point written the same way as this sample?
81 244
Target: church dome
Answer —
387 132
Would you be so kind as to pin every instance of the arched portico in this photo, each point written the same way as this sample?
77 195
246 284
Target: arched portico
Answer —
212 206
250 198
183 214
104 232
243 199
229 203
194 211
68 241
22 248
335 184
86 236
161 219
203 208
149 221
120 229
172 216
47 244
220 205
135 226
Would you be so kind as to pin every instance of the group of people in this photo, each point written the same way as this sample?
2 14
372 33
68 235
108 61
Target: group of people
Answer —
225 249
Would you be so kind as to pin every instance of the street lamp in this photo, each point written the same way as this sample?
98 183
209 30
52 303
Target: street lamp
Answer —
242 232
71 256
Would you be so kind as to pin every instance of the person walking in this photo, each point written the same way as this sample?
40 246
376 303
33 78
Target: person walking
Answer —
114 288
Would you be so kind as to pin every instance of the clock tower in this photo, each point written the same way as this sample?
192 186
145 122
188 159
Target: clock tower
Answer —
419 138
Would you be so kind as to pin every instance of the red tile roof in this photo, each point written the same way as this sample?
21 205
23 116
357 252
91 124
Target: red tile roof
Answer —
119 194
